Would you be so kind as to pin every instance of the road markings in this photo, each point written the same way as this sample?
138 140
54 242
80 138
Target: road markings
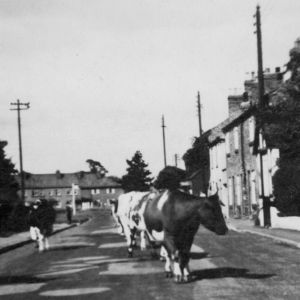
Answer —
131 268
11 289
75 292
113 245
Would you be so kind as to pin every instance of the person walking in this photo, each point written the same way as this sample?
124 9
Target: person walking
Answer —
69 212
34 231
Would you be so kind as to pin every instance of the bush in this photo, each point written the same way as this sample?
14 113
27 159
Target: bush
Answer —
17 220
287 188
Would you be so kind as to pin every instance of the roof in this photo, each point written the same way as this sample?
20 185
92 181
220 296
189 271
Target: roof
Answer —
240 119
216 134
60 180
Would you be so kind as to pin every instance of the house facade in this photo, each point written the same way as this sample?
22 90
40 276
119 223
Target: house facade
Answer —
241 166
57 187
218 166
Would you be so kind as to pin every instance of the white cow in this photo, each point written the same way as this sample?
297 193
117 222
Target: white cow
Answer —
127 203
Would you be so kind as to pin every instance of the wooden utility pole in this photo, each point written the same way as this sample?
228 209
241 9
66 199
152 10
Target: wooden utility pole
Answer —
199 113
164 139
20 106
260 72
176 159
261 92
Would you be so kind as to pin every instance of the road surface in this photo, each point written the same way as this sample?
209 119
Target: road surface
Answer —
90 262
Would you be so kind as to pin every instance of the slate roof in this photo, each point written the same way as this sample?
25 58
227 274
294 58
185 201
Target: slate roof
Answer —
216 133
60 180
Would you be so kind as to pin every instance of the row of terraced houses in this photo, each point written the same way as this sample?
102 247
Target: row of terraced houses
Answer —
88 188
240 162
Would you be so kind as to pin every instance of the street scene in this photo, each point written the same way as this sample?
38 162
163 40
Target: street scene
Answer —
149 149
90 262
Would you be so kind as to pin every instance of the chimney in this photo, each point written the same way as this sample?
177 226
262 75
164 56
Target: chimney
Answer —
234 106
277 70
58 174
297 43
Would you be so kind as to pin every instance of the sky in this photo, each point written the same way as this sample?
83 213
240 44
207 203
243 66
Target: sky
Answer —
99 74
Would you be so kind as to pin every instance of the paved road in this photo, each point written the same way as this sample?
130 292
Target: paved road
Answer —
90 262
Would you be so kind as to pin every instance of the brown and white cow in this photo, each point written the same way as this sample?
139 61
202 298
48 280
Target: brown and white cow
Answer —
173 218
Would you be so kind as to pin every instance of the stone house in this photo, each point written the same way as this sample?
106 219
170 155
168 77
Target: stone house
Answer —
244 147
92 187
218 167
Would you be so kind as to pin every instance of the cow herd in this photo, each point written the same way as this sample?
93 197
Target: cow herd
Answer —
171 219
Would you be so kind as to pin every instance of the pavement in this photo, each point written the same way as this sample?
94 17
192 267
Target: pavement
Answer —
19 239
282 236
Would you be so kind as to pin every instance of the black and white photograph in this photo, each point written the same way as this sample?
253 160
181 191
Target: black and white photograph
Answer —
149 149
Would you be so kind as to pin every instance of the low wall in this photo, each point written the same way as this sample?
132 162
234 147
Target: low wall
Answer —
292 223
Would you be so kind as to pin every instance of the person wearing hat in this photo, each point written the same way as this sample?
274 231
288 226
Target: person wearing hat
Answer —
33 222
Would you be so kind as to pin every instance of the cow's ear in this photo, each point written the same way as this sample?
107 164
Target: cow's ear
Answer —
221 203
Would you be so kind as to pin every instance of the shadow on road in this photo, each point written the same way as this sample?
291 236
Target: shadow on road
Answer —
4 280
198 255
226 272
68 247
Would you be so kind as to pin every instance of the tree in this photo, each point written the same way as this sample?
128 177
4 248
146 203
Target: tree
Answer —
169 178
96 167
280 123
8 183
137 177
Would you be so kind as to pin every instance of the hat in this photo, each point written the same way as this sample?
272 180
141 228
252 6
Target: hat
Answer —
37 201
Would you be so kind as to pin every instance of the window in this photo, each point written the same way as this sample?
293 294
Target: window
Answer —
251 129
58 192
97 191
238 190
236 138
110 191
262 142
227 141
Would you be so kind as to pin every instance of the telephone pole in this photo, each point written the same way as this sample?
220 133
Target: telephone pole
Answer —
261 92
20 106
164 139
176 159
199 113
260 72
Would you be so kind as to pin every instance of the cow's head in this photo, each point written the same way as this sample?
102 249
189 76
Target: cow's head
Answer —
211 215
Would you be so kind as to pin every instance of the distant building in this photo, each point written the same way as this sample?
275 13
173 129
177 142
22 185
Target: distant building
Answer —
57 187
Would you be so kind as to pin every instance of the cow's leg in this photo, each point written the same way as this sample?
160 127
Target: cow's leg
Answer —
46 240
163 253
120 226
168 268
184 255
41 241
174 254
143 240
132 242
184 265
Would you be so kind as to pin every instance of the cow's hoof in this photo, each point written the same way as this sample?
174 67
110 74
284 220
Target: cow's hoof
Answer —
186 278
169 274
